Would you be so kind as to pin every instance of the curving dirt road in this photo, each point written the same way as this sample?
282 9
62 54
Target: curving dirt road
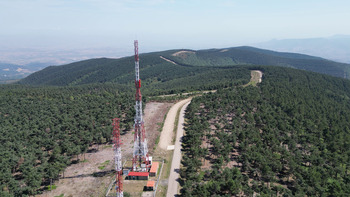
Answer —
167 132
173 184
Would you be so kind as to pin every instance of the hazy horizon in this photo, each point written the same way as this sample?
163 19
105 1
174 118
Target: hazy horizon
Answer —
62 25
166 23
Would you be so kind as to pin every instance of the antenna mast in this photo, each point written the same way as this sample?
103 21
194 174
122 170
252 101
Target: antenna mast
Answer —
140 154
117 157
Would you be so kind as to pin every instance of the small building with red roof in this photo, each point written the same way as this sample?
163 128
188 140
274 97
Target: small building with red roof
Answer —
138 175
154 169
150 185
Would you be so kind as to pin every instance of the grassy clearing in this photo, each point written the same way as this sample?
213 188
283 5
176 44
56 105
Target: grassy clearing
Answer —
162 185
161 191
134 188
108 146
160 125
167 165
103 165
176 123
51 187
157 141
252 83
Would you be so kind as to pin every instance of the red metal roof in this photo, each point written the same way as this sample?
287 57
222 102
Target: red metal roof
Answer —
138 174
150 184
154 167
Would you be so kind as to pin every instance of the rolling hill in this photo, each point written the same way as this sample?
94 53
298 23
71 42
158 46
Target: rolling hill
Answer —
289 135
180 64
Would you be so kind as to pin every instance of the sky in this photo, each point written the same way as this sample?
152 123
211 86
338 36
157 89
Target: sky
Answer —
166 24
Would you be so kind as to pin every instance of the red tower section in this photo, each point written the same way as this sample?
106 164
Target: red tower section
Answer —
117 157
140 154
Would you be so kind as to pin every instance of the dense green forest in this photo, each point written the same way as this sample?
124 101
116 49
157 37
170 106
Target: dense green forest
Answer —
158 75
43 128
289 136
189 62
255 56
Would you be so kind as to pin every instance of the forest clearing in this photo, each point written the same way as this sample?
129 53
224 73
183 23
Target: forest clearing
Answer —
90 177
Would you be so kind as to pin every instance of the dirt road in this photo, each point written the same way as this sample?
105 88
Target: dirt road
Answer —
173 183
167 132
168 60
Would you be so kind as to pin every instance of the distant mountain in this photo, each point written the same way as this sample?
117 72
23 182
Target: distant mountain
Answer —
334 48
176 64
10 72
52 56
33 59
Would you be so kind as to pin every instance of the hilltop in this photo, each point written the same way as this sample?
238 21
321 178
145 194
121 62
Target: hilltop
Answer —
173 65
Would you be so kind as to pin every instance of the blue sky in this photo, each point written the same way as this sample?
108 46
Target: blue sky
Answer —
167 24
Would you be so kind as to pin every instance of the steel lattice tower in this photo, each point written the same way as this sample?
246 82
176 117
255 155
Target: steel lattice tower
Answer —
117 157
140 154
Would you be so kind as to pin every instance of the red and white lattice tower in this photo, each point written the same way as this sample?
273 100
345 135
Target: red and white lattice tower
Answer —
140 154
117 157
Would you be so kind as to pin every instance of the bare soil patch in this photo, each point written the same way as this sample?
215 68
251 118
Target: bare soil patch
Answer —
87 179
154 116
166 59
255 78
183 54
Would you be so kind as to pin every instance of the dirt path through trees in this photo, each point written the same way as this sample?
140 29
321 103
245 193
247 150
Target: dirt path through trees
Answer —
173 184
167 132
168 60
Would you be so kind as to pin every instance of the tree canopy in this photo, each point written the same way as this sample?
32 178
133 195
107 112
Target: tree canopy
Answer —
287 136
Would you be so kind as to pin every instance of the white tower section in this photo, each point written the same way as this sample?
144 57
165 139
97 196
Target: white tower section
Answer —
117 158
140 154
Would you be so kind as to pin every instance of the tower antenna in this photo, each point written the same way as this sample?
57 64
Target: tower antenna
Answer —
117 157
140 154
